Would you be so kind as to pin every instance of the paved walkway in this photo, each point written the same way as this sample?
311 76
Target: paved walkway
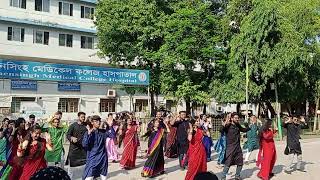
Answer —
311 158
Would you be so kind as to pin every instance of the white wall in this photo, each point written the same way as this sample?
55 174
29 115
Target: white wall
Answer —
53 16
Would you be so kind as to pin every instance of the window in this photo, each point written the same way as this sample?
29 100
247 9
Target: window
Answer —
87 12
16 103
16 34
107 105
41 37
42 5
65 40
65 9
141 105
86 42
18 3
69 105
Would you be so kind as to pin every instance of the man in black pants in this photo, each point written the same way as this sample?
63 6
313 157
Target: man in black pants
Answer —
183 126
234 154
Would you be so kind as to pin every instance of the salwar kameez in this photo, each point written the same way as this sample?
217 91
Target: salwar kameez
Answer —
220 148
155 162
97 161
197 156
266 155
131 143
111 146
57 137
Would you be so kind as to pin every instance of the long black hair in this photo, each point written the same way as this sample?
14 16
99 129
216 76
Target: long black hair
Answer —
29 139
265 127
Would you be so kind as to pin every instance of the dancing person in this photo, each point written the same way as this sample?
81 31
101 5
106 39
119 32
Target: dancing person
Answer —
94 142
13 168
252 142
111 143
32 150
171 150
293 148
220 146
31 121
233 154
57 133
77 154
155 162
129 136
267 153
207 141
182 125
3 147
196 152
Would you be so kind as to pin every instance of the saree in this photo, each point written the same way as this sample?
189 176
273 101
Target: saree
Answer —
130 141
171 145
197 156
155 162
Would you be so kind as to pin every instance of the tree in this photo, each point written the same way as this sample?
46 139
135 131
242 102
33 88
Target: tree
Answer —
190 49
129 34
277 38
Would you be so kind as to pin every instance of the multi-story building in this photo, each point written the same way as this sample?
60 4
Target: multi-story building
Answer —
61 32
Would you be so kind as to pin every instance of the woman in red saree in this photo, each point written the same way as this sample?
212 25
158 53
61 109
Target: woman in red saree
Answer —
33 150
196 152
129 132
267 152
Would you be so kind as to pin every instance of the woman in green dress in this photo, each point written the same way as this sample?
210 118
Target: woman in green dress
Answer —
252 142
57 134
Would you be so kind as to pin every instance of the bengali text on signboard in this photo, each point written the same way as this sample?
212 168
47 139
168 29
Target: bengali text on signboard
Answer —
11 69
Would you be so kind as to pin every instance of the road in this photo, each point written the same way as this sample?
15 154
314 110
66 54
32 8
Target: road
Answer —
311 159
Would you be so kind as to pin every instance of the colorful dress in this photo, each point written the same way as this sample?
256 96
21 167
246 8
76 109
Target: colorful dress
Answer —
57 137
220 148
131 143
3 149
197 156
155 162
34 163
267 155
97 161
111 146
252 142
171 147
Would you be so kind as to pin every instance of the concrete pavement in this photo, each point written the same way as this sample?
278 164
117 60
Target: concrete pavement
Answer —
311 159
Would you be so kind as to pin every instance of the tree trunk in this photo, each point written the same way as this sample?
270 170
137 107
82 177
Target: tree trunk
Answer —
316 115
271 109
152 104
188 107
204 109
130 102
238 108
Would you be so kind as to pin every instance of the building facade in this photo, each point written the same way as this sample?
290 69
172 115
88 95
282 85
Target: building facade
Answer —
60 32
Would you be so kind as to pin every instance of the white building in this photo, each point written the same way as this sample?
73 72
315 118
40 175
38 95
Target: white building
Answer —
59 32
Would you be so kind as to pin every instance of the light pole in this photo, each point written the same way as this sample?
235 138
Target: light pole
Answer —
274 87
247 91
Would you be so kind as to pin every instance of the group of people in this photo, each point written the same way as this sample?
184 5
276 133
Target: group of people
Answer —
260 138
26 148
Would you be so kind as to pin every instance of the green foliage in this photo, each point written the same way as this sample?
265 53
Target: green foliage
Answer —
277 38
